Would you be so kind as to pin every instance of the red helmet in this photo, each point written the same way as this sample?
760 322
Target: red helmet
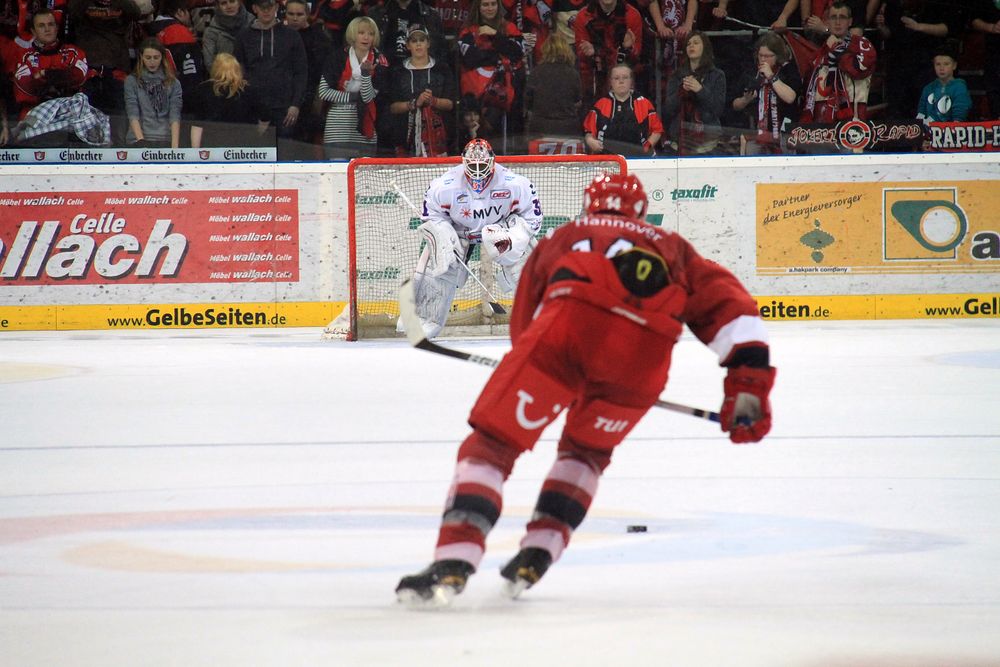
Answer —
615 193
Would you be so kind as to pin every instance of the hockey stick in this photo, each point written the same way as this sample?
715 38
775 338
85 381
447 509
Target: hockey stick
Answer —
496 307
415 334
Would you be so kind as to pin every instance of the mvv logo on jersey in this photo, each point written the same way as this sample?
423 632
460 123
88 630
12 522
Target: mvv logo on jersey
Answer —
489 212
922 223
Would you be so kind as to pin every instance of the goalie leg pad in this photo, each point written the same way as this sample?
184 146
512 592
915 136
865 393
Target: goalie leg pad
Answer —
433 297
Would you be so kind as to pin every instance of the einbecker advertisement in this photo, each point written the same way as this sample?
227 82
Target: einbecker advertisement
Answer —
898 228
102 238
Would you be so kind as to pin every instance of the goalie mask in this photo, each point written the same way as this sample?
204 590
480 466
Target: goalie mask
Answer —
478 159
621 194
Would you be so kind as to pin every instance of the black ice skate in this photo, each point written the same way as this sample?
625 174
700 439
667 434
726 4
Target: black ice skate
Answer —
525 569
436 585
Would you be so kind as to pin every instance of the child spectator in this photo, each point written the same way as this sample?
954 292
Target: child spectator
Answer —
946 99
153 98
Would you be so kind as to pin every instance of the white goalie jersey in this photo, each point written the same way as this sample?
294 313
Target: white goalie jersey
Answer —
451 199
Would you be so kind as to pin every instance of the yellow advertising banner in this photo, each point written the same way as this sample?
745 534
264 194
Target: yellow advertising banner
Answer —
916 227
166 316
880 307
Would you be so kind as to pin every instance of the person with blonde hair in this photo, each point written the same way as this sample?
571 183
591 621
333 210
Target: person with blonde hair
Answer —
351 79
553 94
153 98
229 107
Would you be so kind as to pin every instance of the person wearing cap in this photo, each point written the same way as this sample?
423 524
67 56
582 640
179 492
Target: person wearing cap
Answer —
274 60
422 91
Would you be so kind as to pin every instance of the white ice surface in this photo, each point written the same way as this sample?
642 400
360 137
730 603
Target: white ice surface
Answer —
251 498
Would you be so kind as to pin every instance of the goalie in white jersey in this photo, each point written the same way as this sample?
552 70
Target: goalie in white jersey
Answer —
478 201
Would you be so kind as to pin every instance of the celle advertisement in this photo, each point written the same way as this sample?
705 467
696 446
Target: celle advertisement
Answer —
94 238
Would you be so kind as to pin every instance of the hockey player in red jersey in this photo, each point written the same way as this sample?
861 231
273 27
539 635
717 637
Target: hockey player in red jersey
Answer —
597 312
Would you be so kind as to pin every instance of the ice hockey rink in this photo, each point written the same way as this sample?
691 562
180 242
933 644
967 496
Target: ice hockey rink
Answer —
252 498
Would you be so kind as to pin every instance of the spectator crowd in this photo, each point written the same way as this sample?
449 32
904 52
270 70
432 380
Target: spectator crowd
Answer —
334 79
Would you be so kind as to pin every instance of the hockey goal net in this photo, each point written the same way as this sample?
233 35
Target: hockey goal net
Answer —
384 244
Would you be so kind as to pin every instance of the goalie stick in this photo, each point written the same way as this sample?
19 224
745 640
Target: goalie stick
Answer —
415 334
496 307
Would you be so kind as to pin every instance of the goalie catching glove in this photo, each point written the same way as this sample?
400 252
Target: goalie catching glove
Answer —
443 246
746 410
507 242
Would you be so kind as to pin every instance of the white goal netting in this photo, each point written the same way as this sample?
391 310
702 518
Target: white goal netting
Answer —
385 244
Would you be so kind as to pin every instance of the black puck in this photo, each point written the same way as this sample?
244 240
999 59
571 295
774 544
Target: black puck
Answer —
635 528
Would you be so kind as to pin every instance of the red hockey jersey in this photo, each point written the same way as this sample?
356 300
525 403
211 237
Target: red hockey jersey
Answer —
699 293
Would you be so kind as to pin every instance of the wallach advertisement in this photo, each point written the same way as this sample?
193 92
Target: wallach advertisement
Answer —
898 228
103 238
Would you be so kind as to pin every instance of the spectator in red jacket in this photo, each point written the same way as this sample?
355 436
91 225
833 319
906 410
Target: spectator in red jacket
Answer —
49 68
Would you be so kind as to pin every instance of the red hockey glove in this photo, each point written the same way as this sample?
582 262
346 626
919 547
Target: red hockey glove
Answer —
746 411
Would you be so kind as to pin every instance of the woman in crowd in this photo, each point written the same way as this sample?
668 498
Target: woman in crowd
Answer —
422 93
492 64
351 79
696 94
153 98
553 94
775 93
220 35
622 122
229 110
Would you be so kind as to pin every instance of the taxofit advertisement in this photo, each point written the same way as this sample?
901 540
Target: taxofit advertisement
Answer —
149 237
870 228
